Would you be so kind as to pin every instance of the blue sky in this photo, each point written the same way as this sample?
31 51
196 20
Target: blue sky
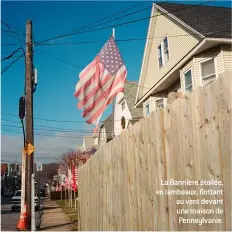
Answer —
56 80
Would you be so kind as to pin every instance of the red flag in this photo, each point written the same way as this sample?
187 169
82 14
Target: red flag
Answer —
100 82
76 176
74 185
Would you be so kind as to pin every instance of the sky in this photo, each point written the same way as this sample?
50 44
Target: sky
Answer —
53 99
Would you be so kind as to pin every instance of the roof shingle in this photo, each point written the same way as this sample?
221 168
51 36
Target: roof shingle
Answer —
210 21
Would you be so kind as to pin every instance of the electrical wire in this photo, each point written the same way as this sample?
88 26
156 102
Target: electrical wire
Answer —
49 127
42 53
58 130
6 68
13 44
6 31
11 55
86 26
117 40
38 134
11 28
125 23
64 121
15 38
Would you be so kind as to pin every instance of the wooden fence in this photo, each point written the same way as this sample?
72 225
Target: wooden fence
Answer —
190 139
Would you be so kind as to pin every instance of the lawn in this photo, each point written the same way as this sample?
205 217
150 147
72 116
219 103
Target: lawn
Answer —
70 211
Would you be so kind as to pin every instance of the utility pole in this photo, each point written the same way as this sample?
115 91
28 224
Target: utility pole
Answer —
29 120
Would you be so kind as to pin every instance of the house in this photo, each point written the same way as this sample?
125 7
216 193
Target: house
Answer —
88 143
187 46
124 112
123 116
106 130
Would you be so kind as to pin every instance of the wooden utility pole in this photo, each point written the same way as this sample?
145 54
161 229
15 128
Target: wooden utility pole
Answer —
29 119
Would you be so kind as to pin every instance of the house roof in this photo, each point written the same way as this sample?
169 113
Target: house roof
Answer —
130 91
209 21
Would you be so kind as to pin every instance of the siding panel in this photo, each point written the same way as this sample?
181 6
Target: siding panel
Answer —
227 55
180 43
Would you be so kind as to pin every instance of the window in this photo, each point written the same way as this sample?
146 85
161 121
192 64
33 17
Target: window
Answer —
123 104
159 103
123 122
147 109
188 81
160 56
208 72
102 133
163 52
166 52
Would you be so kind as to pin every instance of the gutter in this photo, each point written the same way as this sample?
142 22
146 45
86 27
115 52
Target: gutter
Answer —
221 40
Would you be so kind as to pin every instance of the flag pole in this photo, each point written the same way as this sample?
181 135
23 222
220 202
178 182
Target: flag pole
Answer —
113 106
71 184
113 33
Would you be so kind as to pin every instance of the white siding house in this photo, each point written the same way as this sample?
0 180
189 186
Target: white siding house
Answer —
183 51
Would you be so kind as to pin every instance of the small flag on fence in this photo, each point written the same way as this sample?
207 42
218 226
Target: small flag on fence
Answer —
100 82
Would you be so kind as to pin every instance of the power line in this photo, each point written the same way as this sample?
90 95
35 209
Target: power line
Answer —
5 69
7 31
13 37
59 121
58 130
11 55
117 40
125 23
111 15
48 127
51 129
110 20
11 28
12 44
120 17
42 53
38 134
85 26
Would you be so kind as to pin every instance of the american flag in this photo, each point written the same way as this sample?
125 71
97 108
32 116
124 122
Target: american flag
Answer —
100 82
66 182
76 176
74 184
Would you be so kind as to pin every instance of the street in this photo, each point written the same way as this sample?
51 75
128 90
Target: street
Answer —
10 218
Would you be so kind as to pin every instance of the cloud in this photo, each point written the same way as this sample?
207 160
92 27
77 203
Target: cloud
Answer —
47 148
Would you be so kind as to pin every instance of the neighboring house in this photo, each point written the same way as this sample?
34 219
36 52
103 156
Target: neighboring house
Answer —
123 116
124 112
187 46
106 130
88 143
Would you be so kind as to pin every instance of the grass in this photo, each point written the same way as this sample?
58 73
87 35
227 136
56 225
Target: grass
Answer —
70 211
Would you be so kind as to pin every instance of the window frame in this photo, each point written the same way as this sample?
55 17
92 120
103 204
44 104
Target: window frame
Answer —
123 104
166 49
200 68
158 99
191 70
161 45
147 105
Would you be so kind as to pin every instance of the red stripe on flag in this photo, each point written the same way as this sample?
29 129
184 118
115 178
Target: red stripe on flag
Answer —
104 94
93 92
87 69
101 109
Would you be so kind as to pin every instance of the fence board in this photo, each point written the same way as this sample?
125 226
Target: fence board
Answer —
225 120
190 139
